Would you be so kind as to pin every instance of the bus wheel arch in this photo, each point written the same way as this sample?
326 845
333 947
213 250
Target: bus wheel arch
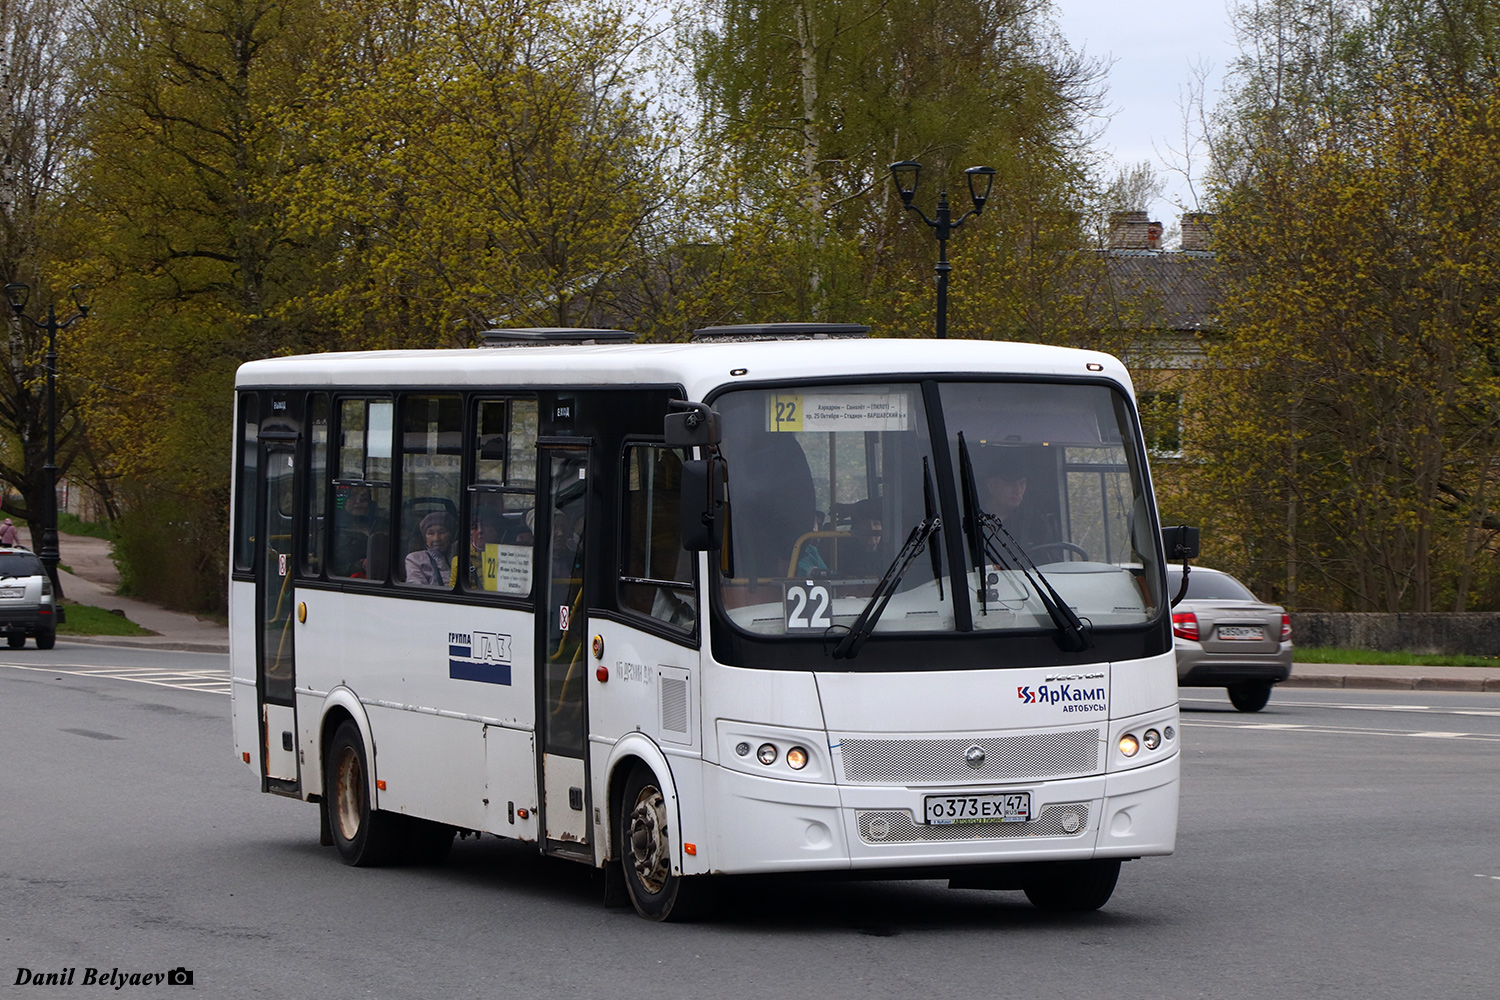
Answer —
645 834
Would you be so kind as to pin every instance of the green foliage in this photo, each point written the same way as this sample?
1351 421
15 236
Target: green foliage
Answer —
1329 654
85 619
70 524
1354 422
170 552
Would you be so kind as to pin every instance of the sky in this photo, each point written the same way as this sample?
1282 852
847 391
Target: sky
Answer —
1153 48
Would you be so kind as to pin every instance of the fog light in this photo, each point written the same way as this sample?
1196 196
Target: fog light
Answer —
742 748
1152 739
1171 732
796 758
1129 745
766 754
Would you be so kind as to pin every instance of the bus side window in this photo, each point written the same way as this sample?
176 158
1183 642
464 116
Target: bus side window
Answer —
431 465
501 498
360 543
657 576
317 485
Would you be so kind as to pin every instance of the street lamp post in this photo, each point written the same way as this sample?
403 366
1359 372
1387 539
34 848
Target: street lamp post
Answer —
18 293
906 174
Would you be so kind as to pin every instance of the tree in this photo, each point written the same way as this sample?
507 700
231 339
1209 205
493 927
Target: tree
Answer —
40 98
1354 425
806 102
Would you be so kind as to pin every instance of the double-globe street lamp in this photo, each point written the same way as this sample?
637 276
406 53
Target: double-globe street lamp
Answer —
906 174
18 292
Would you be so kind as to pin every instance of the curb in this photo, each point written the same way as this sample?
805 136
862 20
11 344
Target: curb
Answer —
145 643
1490 684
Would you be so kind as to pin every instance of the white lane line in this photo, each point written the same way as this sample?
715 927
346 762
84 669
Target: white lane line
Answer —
1431 709
205 681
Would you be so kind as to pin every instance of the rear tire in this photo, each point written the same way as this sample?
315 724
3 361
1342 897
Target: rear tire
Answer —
363 835
1250 696
15 641
644 837
44 640
1074 886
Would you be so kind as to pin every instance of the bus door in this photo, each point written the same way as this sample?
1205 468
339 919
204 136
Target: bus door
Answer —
562 638
276 673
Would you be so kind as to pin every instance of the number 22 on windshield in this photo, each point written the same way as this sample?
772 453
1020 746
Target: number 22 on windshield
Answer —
808 607
785 412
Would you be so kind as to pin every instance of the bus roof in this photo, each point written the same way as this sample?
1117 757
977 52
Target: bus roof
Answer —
699 368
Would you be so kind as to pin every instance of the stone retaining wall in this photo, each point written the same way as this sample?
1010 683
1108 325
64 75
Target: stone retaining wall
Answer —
1466 634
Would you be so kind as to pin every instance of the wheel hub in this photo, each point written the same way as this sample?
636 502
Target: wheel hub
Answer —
649 853
349 795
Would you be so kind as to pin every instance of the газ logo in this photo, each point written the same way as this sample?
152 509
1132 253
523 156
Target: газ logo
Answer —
1071 698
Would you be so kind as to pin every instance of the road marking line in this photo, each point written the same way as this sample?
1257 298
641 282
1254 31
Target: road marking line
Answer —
1438 736
1345 731
203 681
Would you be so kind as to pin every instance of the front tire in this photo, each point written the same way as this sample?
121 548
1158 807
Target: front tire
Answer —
1250 696
646 848
363 835
1074 886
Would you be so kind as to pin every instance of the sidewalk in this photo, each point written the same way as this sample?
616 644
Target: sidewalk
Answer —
1351 675
93 580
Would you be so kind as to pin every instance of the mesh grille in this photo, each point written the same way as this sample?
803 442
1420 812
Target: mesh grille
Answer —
674 707
895 826
1006 758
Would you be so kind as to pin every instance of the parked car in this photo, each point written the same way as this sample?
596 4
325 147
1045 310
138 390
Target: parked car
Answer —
27 606
1226 637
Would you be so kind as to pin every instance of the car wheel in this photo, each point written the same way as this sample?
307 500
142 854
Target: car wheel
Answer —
1250 696
644 832
15 641
364 836
1074 886
44 640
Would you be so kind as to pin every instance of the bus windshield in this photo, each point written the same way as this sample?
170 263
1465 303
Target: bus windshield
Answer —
827 483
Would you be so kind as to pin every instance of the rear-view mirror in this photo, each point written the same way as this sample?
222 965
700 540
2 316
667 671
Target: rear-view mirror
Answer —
1180 542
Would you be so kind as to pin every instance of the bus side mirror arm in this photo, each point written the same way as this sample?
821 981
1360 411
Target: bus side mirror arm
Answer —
701 515
695 426
1180 542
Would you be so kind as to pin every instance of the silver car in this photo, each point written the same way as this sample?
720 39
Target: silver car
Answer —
1227 638
27 607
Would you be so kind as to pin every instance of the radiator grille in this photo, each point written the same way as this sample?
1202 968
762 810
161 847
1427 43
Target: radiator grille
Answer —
1006 758
674 705
896 826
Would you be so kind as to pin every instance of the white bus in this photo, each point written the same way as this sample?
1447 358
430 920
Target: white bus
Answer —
782 599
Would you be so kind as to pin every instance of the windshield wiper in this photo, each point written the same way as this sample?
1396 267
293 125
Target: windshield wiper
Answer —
985 532
850 644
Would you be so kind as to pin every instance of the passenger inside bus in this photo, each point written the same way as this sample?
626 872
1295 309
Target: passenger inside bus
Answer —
432 566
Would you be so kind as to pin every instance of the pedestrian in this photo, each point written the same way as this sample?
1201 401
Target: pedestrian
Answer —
7 532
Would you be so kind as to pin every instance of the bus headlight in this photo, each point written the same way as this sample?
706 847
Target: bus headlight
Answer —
1152 739
766 754
796 758
1129 745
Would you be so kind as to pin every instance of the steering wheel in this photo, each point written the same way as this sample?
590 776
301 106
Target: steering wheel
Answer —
1061 547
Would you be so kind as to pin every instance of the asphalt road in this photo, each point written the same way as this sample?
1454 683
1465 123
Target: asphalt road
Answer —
1338 844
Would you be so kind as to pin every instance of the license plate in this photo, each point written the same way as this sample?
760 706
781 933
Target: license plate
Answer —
1241 632
12 591
1004 807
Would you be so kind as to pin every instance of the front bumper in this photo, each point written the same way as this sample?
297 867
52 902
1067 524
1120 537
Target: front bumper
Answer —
769 825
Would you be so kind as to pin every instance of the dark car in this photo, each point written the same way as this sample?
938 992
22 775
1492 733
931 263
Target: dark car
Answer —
1226 637
27 607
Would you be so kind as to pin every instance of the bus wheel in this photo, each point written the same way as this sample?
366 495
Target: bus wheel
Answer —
1250 696
646 851
1074 886
364 836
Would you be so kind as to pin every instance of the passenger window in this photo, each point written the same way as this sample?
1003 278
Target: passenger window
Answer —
431 478
245 509
502 498
317 484
657 577
360 545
